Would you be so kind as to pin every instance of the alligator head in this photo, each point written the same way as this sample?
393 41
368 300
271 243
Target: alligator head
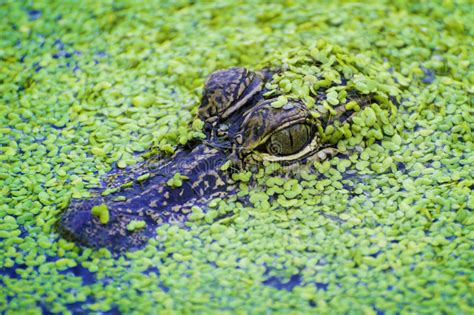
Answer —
241 126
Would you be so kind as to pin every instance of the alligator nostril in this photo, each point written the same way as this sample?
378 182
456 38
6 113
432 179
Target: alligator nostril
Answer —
76 218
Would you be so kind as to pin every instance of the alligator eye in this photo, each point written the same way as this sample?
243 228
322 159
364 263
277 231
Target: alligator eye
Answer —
288 141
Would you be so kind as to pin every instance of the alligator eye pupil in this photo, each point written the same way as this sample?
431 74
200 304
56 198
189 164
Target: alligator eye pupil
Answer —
289 140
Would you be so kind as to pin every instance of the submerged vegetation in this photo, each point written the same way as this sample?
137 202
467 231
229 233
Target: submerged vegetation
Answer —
90 87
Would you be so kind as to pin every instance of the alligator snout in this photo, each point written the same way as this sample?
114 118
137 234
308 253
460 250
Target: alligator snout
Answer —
128 217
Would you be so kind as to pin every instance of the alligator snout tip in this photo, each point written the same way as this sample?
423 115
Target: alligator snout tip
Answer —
77 222
91 223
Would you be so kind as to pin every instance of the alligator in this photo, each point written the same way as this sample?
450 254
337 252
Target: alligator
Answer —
243 126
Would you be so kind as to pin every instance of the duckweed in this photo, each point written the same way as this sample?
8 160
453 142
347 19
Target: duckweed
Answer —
143 177
102 212
135 225
176 180
280 102
383 227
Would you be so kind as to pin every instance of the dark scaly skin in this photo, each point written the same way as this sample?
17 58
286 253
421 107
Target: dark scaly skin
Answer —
239 123
151 200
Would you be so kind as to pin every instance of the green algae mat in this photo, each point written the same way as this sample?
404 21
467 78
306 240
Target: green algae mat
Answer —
89 87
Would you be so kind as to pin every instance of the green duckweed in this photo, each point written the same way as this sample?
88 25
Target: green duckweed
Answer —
102 212
135 225
383 227
176 180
